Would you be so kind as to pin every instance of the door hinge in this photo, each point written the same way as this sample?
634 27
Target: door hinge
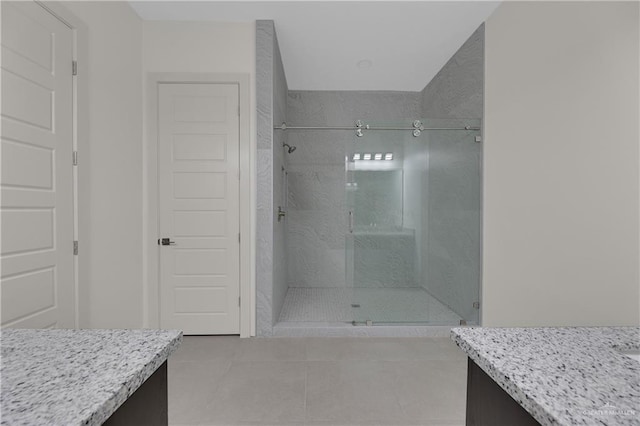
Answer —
75 248
238 302
476 305
74 67
75 158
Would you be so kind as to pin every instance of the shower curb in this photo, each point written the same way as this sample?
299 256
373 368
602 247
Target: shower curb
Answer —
302 329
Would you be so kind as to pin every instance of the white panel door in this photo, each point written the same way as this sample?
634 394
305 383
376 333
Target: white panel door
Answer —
198 176
36 184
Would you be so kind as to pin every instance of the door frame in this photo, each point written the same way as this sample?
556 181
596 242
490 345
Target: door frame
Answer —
150 230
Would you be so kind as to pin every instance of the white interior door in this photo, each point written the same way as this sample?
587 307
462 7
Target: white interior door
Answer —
36 208
198 177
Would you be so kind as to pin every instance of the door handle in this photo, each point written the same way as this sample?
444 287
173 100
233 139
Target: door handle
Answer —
350 222
166 242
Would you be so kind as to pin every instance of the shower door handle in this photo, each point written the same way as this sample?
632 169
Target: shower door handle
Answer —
350 222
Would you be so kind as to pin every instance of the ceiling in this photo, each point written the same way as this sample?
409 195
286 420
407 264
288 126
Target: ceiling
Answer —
348 45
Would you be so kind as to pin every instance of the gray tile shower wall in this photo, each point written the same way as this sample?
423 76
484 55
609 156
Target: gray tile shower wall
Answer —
264 201
457 91
271 258
384 259
317 209
280 158
451 229
342 108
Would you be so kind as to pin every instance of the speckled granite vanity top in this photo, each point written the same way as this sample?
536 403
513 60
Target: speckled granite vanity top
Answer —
76 377
562 376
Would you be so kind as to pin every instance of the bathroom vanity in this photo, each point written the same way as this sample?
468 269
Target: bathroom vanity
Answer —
85 377
551 376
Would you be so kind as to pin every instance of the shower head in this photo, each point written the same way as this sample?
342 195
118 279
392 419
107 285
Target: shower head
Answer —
290 148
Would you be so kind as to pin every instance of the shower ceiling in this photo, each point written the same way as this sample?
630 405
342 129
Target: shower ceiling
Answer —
324 44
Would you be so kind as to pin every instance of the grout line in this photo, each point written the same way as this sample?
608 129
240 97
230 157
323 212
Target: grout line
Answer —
396 385
306 376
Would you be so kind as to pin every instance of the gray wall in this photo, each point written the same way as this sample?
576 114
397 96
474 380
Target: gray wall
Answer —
457 90
451 230
271 258
280 165
317 217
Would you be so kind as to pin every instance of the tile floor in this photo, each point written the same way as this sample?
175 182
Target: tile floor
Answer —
222 380
381 305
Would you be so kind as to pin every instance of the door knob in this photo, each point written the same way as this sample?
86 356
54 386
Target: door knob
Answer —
166 242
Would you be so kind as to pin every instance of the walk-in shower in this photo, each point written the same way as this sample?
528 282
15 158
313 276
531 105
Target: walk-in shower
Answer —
375 219
383 223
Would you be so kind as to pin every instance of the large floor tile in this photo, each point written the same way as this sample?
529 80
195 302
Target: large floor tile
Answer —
241 423
381 349
268 392
336 349
432 391
431 348
190 386
275 349
207 348
352 392
408 422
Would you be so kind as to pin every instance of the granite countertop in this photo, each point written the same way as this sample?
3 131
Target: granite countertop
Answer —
76 377
564 375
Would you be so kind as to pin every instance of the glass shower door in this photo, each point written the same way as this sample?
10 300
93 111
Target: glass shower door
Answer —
452 260
413 215
380 249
